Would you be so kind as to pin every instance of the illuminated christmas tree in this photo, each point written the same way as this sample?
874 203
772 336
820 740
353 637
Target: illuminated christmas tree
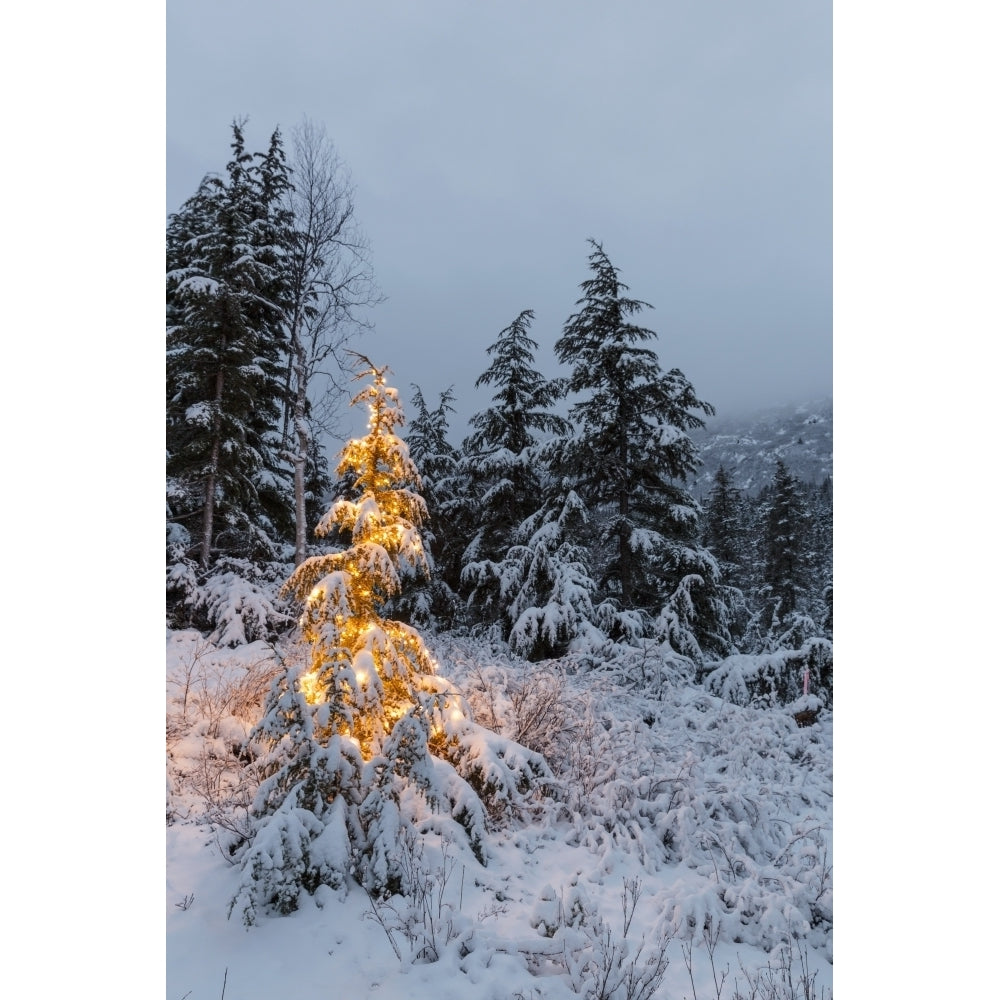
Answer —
361 714
368 669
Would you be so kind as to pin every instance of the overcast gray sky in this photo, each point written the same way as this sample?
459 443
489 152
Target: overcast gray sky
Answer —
488 141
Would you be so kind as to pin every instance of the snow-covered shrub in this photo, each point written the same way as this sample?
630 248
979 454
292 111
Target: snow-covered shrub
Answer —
422 923
597 961
650 667
604 768
530 705
214 696
778 678
239 601
182 577
236 602
210 683
786 976
752 818
506 777
670 774
755 900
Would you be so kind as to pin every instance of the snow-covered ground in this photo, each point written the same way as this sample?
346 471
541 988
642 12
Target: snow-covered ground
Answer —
686 851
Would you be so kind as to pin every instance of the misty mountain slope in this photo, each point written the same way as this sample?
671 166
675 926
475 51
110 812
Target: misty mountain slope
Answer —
800 434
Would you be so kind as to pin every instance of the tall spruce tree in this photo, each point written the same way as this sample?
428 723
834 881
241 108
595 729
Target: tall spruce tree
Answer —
499 461
630 458
228 491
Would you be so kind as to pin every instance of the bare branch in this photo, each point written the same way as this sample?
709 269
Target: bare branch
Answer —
332 284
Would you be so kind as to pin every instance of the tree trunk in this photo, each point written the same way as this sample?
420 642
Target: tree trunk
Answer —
208 514
301 454
624 552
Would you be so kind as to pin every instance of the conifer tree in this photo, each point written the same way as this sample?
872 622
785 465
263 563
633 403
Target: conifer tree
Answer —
362 715
630 458
225 250
503 471
786 561
545 582
820 504
726 534
437 461
522 398
722 528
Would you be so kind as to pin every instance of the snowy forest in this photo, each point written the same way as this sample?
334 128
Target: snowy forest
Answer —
507 710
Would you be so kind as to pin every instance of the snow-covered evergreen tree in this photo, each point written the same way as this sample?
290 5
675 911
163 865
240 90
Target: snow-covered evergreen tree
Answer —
786 545
228 490
726 534
505 481
820 505
361 715
437 460
722 526
545 581
630 458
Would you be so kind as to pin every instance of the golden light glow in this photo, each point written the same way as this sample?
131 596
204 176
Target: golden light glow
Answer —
309 686
344 617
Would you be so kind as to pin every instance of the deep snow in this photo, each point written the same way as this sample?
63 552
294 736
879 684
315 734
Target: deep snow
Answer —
743 798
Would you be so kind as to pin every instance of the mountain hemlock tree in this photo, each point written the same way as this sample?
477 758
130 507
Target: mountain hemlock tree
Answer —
227 488
629 459
499 459
362 717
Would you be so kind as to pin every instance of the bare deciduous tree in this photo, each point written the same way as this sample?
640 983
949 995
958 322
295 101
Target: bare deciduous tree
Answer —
332 284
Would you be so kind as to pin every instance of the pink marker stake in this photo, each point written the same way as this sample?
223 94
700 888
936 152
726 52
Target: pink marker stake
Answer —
805 682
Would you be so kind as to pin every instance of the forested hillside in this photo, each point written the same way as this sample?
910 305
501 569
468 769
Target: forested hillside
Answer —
423 609
800 434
